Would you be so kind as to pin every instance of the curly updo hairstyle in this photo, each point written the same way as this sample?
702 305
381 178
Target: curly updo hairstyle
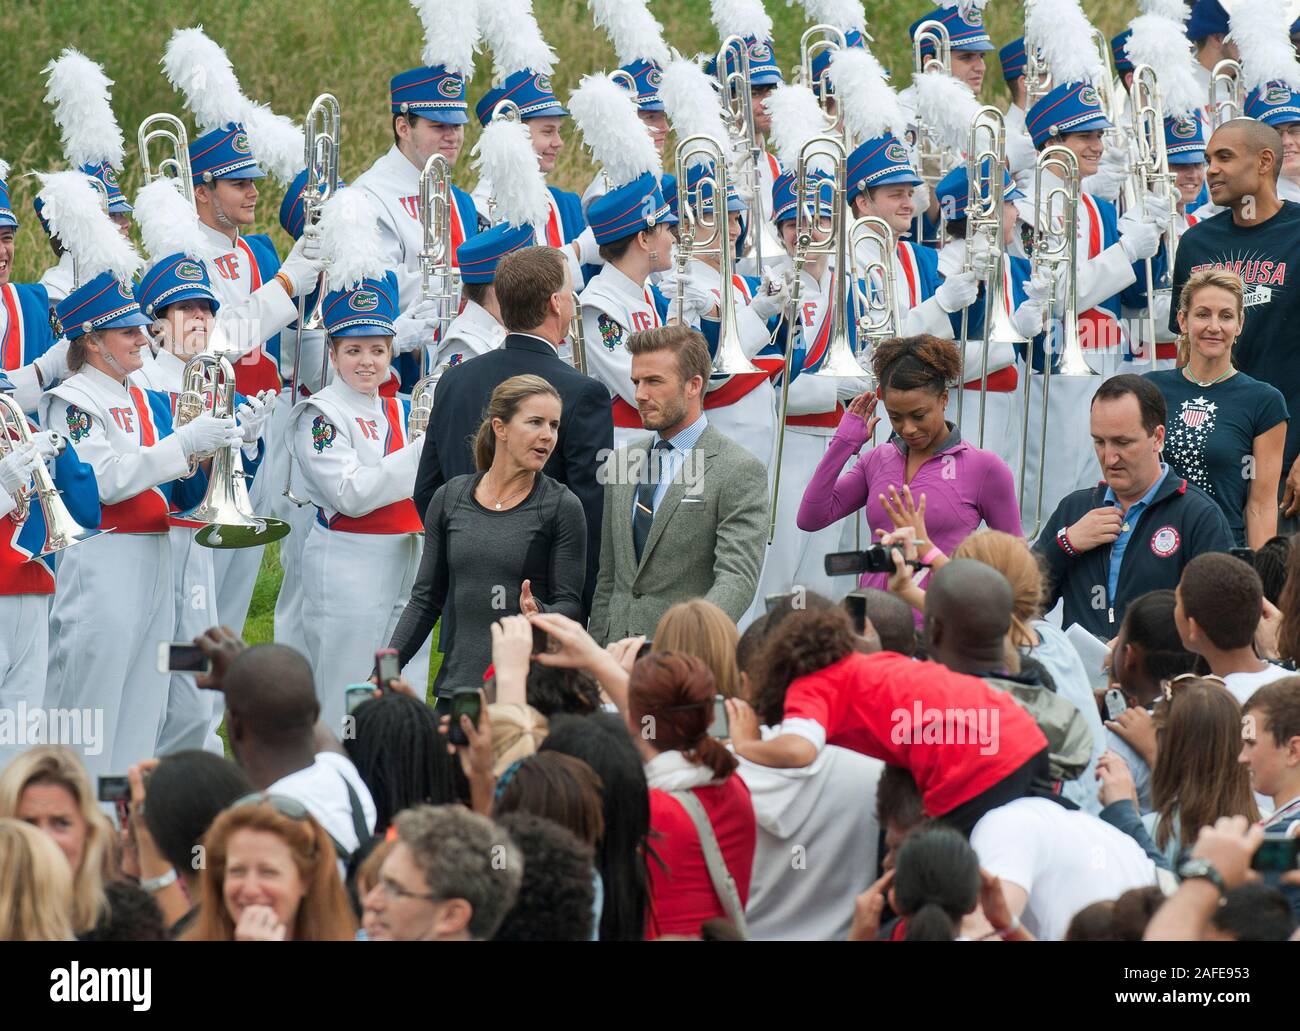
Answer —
916 363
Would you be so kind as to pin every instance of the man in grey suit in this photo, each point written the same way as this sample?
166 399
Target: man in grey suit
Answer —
685 509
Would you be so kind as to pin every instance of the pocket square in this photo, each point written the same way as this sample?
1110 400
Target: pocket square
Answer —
692 501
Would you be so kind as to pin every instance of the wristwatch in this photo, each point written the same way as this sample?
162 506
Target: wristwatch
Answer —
1202 868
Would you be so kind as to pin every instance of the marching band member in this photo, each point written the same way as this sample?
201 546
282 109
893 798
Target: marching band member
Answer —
429 117
1277 103
28 355
26 575
1207 28
642 56
357 462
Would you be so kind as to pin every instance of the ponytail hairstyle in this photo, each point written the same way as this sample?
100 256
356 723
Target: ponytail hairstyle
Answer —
77 354
1222 278
670 694
503 405
916 363
936 883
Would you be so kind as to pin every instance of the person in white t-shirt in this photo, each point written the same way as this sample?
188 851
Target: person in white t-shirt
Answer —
1054 861
1220 601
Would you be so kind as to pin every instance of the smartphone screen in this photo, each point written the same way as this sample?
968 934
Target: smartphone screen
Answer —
114 789
463 703
355 694
720 727
175 657
1115 703
1276 854
386 666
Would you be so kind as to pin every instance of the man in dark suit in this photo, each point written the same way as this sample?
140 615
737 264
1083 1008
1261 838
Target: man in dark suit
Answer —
534 290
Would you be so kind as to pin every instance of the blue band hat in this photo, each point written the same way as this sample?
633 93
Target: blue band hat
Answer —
107 176
882 161
368 311
763 70
962 34
785 203
629 209
1208 19
103 303
479 256
953 191
529 91
1070 107
693 177
177 277
1273 104
1122 62
223 153
431 92
1185 140
1013 59
8 220
648 77
291 205
822 61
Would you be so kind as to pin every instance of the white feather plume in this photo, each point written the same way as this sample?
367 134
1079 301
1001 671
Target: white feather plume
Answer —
450 33
75 211
946 105
1261 29
276 142
78 89
350 241
843 14
510 29
199 69
1062 33
504 156
796 118
617 138
168 222
863 93
4 169
691 101
1161 42
741 18
632 29
967 7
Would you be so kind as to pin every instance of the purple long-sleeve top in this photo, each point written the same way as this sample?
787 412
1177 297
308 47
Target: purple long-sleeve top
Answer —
963 486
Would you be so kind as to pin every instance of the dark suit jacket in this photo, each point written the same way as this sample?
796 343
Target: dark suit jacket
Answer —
586 428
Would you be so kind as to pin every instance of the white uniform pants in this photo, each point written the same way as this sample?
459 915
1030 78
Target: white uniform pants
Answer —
193 714
355 587
24 655
1003 412
751 423
1071 463
288 604
114 601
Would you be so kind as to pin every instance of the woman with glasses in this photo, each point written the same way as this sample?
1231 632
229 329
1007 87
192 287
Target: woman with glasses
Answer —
271 875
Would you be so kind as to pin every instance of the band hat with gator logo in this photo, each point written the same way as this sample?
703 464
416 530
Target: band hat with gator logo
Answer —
291 215
763 70
369 310
785 204
1185 140
103 303
1208 19
1122 61
822 61
1274 103
223 153
1013 60
107 174
1070 107
627 210
882 161
478 257
430 92
964 33
8 220
953 191
529 91
693 176
176 277
648 75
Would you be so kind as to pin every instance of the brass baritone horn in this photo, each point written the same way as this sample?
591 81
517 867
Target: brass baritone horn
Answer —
176 162
1226 100
208 385
875 309
439 280
61 530
815 41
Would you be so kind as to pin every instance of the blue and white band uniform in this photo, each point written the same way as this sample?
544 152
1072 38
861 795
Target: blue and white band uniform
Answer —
1277 105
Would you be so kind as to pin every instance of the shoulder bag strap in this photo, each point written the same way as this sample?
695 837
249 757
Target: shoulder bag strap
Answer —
723 883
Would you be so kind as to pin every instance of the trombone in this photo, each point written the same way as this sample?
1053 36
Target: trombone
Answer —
1151 171
321 159
436 258
61 530
815 41
702 209
932 156
1226 100
986 154
208 385
176 162
1055 253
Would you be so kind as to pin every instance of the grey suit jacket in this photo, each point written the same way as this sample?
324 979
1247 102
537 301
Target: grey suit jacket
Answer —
707 539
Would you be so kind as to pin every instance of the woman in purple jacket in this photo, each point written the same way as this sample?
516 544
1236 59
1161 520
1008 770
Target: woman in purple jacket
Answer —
925 475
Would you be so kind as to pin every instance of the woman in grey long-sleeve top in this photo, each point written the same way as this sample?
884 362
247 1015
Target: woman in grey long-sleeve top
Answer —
506 539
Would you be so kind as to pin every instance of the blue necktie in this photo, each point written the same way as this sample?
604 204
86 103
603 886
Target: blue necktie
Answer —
643 514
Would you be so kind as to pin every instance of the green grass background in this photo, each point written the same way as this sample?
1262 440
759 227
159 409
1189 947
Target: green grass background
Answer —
286 53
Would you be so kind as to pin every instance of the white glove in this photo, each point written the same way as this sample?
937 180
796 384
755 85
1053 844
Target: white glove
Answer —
982 253
16 468
310 242
301 269
957 292
1021 154
699 300
49 445
1158 210
415 327
587 249
206 434
1039 287
851 386
1030 317
254 413
1140 239
773 296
